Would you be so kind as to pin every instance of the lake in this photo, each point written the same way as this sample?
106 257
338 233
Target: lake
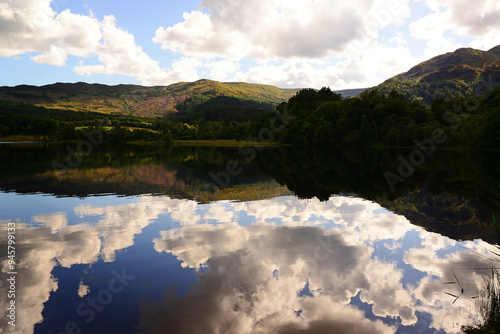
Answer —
154 239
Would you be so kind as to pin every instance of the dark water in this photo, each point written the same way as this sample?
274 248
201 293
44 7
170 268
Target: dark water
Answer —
148 239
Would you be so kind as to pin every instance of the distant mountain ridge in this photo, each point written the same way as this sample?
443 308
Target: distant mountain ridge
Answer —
453 74
350 92
137 100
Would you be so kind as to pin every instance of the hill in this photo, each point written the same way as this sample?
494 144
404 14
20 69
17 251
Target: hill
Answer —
350 92
451 75
138 100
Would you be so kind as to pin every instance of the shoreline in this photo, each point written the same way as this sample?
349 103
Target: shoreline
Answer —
227 143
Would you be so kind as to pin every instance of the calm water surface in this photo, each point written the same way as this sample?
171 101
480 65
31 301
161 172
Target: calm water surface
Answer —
144 240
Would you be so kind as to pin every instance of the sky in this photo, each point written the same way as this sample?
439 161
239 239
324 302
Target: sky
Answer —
376 264
289 44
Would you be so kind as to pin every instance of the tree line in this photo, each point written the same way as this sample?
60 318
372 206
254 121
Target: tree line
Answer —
311 118
324 119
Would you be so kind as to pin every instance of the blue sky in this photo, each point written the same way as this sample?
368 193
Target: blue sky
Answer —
293 43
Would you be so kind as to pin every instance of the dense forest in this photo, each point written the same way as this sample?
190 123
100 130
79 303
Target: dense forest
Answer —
323 119
310 118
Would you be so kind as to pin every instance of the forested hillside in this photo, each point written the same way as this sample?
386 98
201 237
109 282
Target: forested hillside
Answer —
133 100
452 75
324 119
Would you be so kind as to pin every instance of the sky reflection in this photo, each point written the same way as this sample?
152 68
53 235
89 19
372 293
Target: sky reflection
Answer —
281 265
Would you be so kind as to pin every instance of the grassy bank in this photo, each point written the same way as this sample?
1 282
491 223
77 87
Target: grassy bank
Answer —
223 143
21 138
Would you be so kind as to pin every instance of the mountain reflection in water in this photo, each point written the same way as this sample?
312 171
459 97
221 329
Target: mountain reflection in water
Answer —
138 240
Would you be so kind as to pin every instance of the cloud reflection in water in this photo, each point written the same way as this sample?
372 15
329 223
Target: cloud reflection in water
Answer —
293 266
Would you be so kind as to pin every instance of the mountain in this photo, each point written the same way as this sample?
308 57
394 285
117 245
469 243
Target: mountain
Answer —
138 100
447 76
350 92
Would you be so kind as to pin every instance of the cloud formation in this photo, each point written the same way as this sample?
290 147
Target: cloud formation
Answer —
28 26
299 43
33 26
266 30
293 269
295 43
292 42
251 277
254 278
55 242
478 21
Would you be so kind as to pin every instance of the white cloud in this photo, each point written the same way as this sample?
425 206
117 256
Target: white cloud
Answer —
286 74
56 56
239 289
119 54
295 43
57 243
289 39
262 247
79 34
117 235
36 256
477 21
464 268
197 36
474 19
184 69
220 213
32 26
265 30
358 70
287 236
83 290
54 221
220 70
